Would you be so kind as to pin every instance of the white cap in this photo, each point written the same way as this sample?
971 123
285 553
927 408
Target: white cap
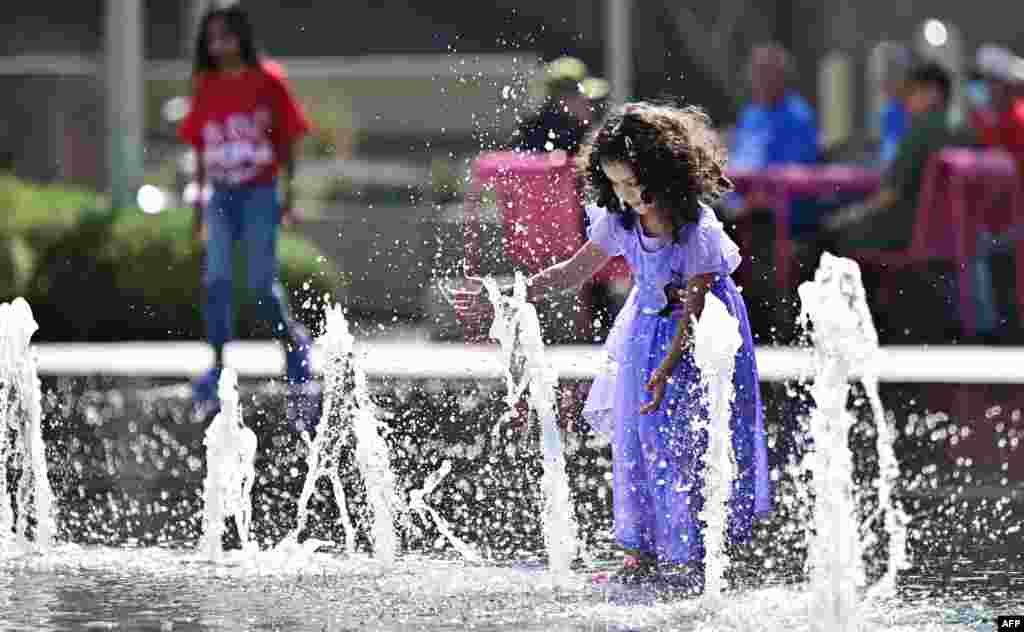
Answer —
999 63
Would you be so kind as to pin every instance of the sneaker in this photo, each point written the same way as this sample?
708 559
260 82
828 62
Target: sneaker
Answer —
637 568
298 361
205 401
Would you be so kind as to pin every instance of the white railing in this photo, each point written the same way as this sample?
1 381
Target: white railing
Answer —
422 359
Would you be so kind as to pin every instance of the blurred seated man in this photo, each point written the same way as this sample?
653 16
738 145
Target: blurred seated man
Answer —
778 126
886 220
570 97
998 113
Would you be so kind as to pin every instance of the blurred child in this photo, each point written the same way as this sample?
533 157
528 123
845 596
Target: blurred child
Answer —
244 124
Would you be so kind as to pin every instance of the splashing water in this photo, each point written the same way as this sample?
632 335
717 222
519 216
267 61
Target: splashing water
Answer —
230 471
517 328
845 340
21 436
347 408
857 340
324 459
717 339
834 553
862 349
418 503
889 473
895 521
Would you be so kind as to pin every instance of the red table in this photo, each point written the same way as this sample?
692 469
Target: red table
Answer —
781 185
538 205
966 193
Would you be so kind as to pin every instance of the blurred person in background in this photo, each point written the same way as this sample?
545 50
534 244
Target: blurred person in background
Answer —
996 113
571 100
777 127
886 220
244 124
893 118
997 99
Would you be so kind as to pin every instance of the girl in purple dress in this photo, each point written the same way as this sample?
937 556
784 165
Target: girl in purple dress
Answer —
650 169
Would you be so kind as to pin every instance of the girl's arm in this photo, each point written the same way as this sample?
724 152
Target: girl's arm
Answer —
569 274
288 159
691 300
561 277
197 207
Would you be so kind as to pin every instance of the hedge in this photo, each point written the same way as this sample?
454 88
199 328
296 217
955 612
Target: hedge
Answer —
90 277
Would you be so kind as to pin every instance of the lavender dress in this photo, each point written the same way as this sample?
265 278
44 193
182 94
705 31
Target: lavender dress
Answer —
657 473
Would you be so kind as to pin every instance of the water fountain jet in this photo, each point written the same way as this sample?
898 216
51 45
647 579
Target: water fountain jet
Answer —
230 471
517 328
834 310
21 437
348 410
717 339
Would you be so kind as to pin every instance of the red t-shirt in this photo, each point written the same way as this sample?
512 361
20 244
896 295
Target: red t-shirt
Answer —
240 124
1005 130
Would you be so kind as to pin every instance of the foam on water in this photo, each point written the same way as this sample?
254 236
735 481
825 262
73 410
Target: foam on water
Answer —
316 591
230 471
21 436
717 339
517 328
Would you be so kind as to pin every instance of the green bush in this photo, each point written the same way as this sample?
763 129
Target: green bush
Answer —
32 216
31 208
17 264
88 278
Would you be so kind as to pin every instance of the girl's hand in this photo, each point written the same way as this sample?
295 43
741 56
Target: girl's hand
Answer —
656 387
846 217
198 224
471 306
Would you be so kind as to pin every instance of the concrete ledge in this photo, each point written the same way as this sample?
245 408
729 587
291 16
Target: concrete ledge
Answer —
377 66
60 65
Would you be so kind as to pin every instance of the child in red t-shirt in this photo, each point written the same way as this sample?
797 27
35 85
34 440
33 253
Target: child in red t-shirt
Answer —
244 124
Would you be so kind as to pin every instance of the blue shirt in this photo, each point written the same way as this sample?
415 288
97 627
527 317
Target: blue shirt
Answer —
893 126
784 133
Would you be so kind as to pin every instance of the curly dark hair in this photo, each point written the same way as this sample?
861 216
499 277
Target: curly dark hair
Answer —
674 151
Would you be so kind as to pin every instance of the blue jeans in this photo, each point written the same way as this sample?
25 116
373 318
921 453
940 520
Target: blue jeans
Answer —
251 215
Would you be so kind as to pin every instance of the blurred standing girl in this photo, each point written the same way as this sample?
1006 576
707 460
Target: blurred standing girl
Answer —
244 124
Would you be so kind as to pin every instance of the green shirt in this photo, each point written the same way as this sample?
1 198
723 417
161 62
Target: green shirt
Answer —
893 228
929 133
